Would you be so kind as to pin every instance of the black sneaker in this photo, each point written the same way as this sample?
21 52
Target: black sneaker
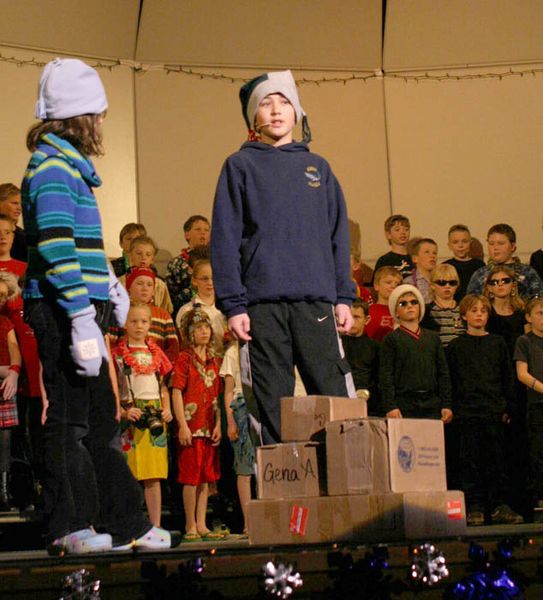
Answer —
475 519
505 515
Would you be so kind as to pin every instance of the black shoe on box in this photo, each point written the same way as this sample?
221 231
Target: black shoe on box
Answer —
475 519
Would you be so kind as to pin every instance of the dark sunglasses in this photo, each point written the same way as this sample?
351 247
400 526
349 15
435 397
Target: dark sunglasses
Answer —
404 303
502 281
444 282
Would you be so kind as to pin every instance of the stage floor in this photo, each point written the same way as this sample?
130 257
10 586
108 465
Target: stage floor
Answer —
232 568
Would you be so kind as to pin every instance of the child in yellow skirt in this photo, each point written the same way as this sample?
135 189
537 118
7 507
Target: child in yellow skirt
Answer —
141 369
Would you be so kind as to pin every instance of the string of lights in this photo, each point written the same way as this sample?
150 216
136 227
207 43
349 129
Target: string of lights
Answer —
142 68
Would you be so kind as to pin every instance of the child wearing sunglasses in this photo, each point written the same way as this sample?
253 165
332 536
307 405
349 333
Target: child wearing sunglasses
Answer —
507 307
413 373
442 314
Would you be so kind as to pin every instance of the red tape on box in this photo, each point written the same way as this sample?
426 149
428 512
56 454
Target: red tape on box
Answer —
454 510
298 520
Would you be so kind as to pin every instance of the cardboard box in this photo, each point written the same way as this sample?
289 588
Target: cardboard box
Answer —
416 455
289 470
357 457
324 519
304 418
359 518
430 514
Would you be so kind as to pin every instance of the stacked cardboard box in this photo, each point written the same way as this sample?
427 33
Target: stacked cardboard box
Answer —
384 478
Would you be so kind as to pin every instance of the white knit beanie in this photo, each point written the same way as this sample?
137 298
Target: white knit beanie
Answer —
69 88
398 292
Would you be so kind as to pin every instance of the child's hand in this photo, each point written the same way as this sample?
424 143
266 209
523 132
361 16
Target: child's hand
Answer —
133 414
9 385
394 414
506 418
446 415
344 318
44 407
185 435
232 431
240 326
216 435
167 415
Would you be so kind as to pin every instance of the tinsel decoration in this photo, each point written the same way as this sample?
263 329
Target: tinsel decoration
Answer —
280 580
489 581
78 586
428 565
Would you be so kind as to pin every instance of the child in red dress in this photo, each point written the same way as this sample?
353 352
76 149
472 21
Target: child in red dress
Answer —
195 394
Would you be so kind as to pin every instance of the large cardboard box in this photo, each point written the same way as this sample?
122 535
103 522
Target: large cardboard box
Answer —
289 470
324 519
416 455
357 457
430 514
304 418
361 518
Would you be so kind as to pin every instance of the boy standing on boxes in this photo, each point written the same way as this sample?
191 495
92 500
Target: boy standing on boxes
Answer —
483 391
280 253
413 374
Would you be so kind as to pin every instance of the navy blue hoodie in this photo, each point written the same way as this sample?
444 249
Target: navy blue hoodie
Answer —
280 229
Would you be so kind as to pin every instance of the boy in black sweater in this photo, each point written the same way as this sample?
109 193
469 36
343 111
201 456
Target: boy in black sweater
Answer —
483 391
413 373
280 251
362 354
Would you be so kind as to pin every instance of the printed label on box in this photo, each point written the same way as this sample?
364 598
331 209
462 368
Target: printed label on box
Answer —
298 520
454 510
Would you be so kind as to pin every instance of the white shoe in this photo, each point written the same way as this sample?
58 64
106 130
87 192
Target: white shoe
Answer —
83 541
155 539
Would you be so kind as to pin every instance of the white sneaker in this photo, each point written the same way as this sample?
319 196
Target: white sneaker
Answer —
83 541
155 539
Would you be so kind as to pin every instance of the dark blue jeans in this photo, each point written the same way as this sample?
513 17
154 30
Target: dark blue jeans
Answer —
86 478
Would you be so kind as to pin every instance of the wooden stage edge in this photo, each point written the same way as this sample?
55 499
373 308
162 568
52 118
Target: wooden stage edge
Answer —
233 567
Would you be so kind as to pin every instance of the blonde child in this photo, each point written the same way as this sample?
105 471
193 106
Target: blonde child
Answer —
142 254
442 314
145 402
11 207
140 284
202 284
10 367
237 418
129 232
424 255
507 314
380 321
195 385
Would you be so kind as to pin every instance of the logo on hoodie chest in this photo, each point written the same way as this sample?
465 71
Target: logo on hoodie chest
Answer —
313 177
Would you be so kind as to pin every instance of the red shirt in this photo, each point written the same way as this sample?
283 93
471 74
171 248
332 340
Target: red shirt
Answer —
380 322
17 267
5 327
199 383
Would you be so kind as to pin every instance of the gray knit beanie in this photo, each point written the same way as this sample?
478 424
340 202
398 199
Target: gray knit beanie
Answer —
69 88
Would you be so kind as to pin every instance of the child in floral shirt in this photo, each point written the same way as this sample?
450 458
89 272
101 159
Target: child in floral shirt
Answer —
195 383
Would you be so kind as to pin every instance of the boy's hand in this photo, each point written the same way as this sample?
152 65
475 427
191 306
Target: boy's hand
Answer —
216 435
344 318
232 431
133 414
394 414
185 435
240 326
446 415
167 415
506 418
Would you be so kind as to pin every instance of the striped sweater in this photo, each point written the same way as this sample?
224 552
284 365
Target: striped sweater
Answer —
66 258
